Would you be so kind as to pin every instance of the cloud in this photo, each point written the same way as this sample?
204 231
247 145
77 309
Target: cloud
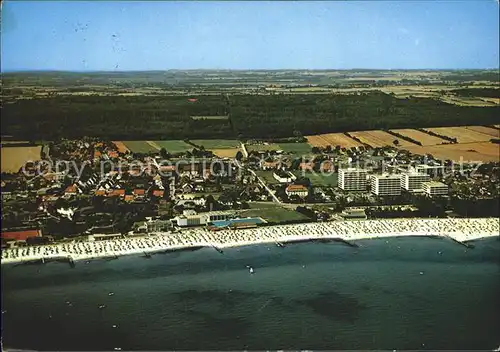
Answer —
417 42
403 30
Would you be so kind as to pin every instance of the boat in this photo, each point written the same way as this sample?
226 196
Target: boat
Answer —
251 270
111 294
101 306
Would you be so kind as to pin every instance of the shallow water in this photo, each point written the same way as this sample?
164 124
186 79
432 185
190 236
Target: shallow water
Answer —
405 293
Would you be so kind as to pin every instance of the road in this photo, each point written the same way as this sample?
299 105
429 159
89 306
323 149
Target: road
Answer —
275 199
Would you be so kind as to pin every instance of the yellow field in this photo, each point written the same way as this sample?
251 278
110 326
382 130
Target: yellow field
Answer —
494 133
380 138
13 158
332 139
480 151
422 137
462 134
120 146
225 153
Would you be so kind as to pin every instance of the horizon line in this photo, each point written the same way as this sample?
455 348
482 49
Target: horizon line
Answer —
2 71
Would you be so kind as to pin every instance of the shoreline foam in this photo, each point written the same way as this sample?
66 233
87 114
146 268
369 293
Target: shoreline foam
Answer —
457 229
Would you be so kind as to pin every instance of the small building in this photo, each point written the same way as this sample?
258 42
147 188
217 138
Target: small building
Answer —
353 213
284 176
386 184
434 188
71 190
193 219
297 190
431 170
22 235
158 193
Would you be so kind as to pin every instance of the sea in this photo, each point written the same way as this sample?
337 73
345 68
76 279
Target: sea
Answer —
401 293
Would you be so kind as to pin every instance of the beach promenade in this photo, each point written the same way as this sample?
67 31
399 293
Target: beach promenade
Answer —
457 229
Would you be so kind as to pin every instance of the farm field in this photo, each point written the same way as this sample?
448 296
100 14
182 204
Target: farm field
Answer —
494 133
140 146
217 143
462 134
13 158
380 138
422 137
478 151
264 147
332 139
173 146
122 148
225 152
296 148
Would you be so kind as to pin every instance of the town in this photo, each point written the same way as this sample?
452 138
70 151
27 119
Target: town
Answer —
96 189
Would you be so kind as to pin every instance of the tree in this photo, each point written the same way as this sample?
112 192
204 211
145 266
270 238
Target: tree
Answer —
395 142
315 150
163 153
239 155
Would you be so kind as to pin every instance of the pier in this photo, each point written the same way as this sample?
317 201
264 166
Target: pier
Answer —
465 244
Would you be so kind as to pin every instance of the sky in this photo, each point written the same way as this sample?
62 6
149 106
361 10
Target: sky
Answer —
126 35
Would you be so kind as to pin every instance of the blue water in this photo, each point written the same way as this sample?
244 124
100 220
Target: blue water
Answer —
225 223
303 296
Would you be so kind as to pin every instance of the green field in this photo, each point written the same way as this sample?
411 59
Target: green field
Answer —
174 146
275 214
139 147
259 147
296 148
217 143
266 176
317 179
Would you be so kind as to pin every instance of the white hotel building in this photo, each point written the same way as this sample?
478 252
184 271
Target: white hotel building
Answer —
352 179
434 188
386 184
412 182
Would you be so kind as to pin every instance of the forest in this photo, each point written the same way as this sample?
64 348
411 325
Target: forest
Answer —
250 116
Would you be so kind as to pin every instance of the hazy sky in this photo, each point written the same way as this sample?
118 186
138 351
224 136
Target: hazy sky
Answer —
124 35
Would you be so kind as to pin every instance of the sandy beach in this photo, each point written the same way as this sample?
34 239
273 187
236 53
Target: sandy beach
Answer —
457 229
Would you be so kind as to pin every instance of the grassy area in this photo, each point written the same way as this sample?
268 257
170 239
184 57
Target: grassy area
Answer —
139 146
259 147
296 148
174 146
318 179
275 214
217 143
267 176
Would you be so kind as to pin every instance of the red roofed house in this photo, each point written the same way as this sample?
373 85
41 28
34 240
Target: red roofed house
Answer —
306 166
327 166
71 191
129 198
20 235
139 192
100 192
117 192
158 193
297 190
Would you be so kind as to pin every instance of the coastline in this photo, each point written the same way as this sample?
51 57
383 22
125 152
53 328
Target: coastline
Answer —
456 229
